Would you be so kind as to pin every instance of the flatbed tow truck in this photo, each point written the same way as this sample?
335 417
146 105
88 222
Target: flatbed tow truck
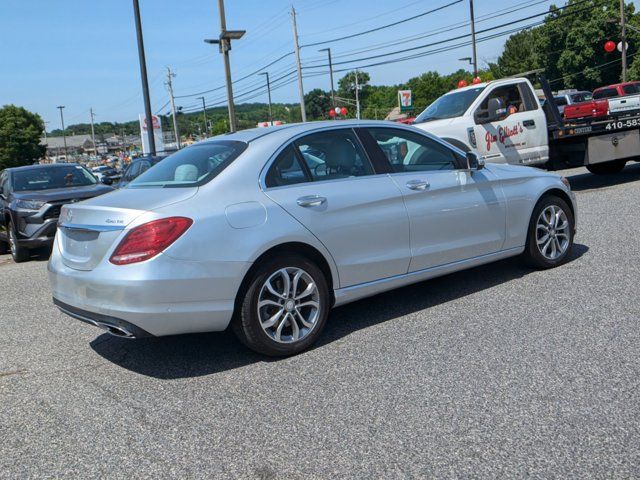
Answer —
504 121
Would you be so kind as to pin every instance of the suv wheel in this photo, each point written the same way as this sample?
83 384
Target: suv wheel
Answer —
19 254
607 168
284 307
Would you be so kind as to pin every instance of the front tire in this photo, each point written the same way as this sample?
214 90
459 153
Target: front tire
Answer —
550 233
607 168
284 307
18 253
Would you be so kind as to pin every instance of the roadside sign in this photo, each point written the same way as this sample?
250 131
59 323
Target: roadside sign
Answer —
405 101
157 134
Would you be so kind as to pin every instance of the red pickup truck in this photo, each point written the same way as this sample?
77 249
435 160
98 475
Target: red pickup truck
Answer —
601 106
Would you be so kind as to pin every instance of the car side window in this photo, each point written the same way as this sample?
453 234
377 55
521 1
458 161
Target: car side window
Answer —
286 169
412 152
132 172
509 96
334 154
144 166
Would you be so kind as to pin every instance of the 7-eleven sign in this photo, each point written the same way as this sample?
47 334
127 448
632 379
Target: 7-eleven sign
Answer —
404 100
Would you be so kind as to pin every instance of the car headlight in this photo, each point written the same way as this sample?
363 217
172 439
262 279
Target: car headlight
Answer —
566 182
28 204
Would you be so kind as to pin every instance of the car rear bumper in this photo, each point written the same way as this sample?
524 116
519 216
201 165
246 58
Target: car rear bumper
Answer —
162 296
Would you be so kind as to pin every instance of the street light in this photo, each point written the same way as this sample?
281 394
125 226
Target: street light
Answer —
269 94
64 134
333 99
466 59
224 41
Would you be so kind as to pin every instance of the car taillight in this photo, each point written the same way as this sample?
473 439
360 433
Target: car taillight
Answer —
149 239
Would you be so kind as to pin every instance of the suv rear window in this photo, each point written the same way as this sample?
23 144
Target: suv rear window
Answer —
192 166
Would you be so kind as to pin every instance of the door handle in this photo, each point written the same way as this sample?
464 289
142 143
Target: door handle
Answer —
311 201
417 184
529 123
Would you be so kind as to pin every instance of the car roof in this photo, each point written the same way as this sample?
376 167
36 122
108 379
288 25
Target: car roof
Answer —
616 85
41 166
293 129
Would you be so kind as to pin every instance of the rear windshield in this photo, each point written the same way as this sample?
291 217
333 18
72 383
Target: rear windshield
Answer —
52 177
192 166
605 93
631 88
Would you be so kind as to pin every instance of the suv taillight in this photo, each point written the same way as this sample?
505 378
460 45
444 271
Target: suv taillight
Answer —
148 240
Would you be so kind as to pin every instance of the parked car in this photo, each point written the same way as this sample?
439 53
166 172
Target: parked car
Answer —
243 230
570 97
30 202
136 168
99 170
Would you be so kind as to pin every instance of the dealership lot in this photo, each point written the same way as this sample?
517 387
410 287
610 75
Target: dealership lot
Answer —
495 371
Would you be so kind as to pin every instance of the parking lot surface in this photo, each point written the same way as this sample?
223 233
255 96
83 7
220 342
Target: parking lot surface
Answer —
499 371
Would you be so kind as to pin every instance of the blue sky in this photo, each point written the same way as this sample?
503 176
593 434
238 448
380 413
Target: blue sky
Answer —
82 54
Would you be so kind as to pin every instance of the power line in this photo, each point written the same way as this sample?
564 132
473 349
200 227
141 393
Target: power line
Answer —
382 27
459 37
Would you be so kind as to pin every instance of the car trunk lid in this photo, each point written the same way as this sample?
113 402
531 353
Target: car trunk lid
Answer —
88 230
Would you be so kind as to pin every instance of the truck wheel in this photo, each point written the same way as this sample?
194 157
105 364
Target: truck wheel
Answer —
607 168
19 254
284 307
550 234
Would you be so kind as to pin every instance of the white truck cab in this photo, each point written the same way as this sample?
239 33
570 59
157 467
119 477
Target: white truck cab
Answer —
501 120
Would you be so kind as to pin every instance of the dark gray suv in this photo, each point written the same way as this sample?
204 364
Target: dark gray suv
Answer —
30 201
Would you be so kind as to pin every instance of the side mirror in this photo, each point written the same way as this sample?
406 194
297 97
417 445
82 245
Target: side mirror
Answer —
474 161
106 181
494 112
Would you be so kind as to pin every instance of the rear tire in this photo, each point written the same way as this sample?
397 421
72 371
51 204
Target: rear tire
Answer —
550 233
19 254
284 307
607 168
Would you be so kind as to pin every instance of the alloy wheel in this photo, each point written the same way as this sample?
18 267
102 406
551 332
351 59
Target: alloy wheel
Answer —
289 305
552 232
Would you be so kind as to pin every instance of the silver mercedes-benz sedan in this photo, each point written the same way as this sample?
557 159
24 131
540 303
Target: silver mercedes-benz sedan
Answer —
266 230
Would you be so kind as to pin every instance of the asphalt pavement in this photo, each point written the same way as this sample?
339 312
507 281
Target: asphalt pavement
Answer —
495 372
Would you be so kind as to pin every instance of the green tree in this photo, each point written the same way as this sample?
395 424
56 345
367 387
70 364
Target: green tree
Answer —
20 133
317 104
569 45
347 85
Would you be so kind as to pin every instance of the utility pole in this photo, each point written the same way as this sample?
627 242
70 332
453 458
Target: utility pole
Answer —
93 132
224 41
145 81
176 133
333 94
473 39
204 115
296 45
269 96
623 41
357 97
64 133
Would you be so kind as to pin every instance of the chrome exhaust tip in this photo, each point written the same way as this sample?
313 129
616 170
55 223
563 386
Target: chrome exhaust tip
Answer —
116 331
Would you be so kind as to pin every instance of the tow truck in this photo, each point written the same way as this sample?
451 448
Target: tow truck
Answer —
504 121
